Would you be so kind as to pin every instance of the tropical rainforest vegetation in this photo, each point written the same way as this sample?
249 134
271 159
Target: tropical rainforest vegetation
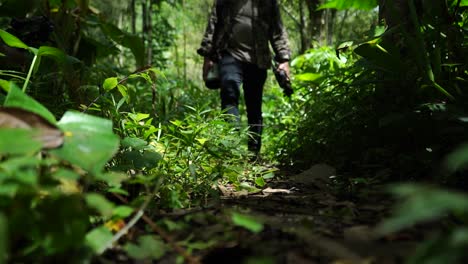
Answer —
112 150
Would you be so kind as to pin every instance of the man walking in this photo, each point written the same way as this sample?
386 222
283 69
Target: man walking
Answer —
237 39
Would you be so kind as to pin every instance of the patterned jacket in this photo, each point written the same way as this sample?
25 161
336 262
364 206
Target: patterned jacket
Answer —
267 27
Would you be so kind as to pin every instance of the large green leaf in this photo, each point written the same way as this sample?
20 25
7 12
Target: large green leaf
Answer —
18 141
350 4
12 41
16 98
89 141
56 54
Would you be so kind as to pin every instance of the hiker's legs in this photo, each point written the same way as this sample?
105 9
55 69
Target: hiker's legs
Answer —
254 80
231 79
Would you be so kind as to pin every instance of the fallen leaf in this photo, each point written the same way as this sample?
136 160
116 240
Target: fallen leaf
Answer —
271 191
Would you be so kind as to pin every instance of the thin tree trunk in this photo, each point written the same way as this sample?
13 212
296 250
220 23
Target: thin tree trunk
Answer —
133 15
340 33
305 40
315 19
330 22
185 42
149 33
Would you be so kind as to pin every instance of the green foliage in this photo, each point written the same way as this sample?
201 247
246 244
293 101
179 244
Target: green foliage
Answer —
348 4
41 200
247 222
422 205
149 248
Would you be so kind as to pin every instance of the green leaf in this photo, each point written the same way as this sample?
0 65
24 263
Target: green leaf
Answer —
149 247
89 141
18 141
247 222
97 238
147 159
135 143
260 181
100 203
9 189
5 85
113 179
16 98
110 83
422 203
122 211
350 4
65 174
12 41
309 77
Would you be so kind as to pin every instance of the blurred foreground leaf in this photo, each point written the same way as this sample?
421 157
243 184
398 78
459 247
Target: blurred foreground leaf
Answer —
149 247
89 141
421 203
247 222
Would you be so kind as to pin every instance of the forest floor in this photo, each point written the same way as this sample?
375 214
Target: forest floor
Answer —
295 219
305 222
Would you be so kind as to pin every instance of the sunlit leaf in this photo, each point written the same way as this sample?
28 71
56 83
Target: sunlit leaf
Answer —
350 4
259 181
122 211
247 222
309 77
89 141
56 54
110 83
115 225
12 41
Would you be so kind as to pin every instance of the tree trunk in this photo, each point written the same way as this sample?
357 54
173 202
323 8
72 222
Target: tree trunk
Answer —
330 22
149 34
133 16
305 40
315 20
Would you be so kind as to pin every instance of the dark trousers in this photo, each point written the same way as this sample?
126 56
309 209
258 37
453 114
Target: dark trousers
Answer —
233 73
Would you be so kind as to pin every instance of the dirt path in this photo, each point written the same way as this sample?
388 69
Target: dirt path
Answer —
305 223
300 220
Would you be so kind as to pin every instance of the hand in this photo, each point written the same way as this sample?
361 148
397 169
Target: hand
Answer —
207 64
285 67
